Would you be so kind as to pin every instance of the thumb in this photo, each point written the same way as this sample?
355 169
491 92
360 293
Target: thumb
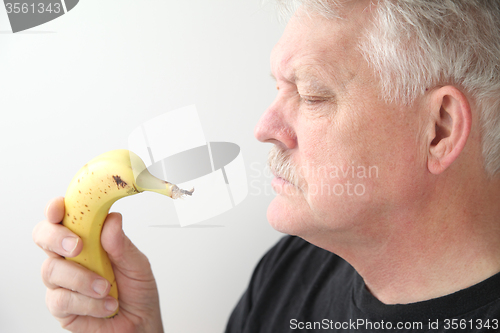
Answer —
123 254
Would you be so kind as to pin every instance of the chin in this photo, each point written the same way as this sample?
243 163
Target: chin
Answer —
287 216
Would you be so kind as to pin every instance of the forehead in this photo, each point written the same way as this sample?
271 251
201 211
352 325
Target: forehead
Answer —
314 46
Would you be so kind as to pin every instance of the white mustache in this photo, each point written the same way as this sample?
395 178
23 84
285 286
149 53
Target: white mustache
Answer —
280 164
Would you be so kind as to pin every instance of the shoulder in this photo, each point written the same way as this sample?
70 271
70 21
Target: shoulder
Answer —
287 246
290 273
293 247
291 250
293 258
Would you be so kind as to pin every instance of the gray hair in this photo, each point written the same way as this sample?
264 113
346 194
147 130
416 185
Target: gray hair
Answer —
414 45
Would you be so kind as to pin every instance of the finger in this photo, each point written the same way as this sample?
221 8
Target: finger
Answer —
124 255
54 211
63 302
51 254
60 273
57 238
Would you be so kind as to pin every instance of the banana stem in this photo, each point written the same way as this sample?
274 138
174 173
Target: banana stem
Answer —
147 182
179 193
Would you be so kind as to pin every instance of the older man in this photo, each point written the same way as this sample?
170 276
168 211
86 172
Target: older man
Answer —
386 133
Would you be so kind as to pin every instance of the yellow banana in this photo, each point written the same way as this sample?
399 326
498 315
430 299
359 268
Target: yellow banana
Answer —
92 191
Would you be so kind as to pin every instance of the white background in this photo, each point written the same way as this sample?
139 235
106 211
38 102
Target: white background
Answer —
77 86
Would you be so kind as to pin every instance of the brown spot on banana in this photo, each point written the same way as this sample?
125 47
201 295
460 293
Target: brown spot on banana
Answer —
119 182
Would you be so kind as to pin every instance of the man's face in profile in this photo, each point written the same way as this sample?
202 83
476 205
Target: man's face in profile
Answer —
350 155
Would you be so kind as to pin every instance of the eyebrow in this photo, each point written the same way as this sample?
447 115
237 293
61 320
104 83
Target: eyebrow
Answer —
312 80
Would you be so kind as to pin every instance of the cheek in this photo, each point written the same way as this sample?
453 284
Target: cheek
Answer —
400 167
346 162
342 193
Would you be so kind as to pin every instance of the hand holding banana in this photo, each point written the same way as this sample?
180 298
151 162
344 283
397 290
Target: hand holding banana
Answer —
92 192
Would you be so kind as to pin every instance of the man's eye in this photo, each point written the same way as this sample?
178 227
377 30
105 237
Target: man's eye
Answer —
311 100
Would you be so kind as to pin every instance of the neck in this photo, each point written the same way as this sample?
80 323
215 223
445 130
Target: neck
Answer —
430 250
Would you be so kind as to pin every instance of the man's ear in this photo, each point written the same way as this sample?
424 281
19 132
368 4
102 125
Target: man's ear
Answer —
451 120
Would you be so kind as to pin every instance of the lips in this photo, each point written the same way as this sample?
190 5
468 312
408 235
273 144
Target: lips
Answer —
280 177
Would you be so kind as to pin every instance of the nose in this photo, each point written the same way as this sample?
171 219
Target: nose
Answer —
273 126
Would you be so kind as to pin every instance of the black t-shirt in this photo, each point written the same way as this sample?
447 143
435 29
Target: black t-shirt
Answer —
298 287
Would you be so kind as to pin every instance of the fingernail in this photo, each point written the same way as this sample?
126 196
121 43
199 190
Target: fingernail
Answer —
100 286
111 304
69 244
